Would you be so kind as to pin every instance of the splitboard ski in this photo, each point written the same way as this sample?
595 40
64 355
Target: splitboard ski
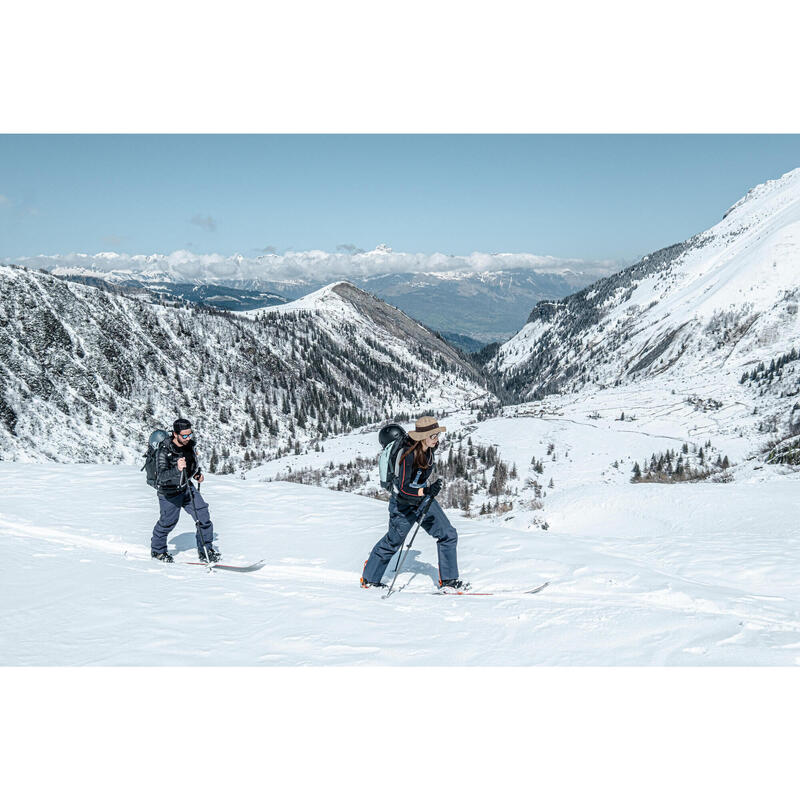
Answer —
231 567
212 566
498 592
470 593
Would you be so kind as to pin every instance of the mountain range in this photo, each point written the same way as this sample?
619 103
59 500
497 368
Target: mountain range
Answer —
484 297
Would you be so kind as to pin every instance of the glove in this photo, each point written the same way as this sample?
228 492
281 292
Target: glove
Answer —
433 489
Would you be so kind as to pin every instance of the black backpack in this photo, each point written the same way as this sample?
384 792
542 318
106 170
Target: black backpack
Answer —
157 438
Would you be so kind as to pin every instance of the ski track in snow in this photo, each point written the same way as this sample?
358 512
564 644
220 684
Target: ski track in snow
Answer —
688 574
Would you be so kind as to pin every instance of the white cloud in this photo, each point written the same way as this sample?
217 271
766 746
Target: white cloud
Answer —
316 265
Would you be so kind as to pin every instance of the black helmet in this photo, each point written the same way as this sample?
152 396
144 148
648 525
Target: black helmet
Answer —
390 433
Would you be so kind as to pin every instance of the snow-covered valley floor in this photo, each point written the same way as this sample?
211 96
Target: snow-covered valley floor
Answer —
647 574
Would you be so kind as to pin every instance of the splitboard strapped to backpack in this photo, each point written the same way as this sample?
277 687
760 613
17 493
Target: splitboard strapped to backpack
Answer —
391 437
157 438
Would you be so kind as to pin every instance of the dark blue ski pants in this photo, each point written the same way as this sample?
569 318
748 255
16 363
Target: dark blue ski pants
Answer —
401 521
170 508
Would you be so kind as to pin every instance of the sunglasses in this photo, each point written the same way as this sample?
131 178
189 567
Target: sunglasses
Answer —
185 436
434 436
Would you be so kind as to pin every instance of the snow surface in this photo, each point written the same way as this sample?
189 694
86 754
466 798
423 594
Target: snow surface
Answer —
689 574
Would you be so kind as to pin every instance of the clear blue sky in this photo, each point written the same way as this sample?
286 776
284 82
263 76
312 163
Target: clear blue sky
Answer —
584 196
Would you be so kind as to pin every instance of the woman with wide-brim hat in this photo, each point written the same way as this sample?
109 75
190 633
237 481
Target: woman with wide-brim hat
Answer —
410 489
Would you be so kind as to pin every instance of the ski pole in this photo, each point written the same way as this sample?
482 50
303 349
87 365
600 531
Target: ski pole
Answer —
422 512
197 521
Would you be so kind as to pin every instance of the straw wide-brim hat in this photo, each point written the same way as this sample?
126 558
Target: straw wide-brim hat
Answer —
426 426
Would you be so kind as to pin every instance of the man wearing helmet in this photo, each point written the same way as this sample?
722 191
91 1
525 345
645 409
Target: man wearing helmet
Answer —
176 464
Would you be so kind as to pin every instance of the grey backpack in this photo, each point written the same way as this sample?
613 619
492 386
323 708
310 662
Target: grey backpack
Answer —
391 438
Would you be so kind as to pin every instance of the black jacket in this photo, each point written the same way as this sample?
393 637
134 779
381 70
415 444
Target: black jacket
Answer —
409 479
168 476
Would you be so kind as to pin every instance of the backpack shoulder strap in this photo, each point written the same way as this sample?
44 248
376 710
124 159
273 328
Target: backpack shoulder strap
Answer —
397 461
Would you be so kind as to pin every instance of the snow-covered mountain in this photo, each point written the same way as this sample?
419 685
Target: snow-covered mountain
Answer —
86 374
484 296
707 310
434 363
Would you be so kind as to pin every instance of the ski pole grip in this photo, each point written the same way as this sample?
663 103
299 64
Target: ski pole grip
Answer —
424 506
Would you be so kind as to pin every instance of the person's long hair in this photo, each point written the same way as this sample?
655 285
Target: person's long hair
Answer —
420 456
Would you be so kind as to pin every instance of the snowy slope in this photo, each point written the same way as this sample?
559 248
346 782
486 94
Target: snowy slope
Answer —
621 592
691 574
715 305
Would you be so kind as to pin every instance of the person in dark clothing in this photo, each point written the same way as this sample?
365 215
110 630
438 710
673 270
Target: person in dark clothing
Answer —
410 489
176 464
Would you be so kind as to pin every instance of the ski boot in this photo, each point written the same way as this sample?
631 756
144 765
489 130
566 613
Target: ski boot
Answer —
454 586
365 584
373 585
213 555
161 556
